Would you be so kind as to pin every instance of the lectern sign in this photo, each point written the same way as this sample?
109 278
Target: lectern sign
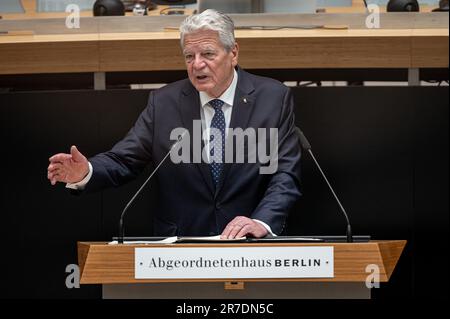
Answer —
234 262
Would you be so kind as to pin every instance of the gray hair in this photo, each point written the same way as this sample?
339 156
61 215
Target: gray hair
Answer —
210 20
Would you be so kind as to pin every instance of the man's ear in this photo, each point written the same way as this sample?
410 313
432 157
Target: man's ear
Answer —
235 53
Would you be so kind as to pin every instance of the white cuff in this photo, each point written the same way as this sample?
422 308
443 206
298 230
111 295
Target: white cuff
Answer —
81 184
266 227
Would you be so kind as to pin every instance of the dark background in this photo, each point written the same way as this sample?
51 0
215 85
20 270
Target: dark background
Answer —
385 150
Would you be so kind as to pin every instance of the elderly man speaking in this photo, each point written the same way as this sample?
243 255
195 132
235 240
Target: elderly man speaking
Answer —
208 197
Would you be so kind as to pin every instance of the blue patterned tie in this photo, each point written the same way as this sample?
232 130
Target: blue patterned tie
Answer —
218 122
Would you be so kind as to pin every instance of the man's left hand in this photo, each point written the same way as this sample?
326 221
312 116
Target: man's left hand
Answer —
242 226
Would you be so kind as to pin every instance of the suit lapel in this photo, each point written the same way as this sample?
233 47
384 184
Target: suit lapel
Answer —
189 108
243 105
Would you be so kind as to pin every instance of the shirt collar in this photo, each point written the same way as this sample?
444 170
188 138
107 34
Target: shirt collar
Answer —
227 96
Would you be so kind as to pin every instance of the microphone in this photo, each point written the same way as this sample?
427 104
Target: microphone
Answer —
121 223
306 146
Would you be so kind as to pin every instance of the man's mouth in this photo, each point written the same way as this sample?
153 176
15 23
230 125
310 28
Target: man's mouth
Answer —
201 77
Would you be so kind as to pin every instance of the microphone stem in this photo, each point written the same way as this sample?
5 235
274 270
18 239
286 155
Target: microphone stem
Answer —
121 223
349 231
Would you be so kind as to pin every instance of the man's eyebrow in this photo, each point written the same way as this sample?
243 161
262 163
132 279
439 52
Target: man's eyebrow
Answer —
206 49
209 48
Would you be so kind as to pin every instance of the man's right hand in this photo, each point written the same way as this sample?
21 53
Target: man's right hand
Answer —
67 168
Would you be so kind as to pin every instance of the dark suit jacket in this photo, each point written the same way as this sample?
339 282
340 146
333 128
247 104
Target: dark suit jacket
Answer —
189 204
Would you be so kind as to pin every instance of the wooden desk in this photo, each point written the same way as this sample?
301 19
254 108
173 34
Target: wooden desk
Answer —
154 51
104 48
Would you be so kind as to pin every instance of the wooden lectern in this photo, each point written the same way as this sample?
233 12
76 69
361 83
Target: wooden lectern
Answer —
113 267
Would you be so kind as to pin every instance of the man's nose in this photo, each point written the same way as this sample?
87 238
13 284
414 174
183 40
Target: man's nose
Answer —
199 62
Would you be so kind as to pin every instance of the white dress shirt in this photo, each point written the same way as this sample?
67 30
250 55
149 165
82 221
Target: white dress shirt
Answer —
207 111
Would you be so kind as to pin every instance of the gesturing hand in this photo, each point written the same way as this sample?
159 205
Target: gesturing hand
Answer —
242 226
67 168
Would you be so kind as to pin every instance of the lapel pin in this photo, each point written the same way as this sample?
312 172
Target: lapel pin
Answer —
244 100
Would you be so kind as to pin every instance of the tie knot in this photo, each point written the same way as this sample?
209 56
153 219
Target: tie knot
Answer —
216 104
